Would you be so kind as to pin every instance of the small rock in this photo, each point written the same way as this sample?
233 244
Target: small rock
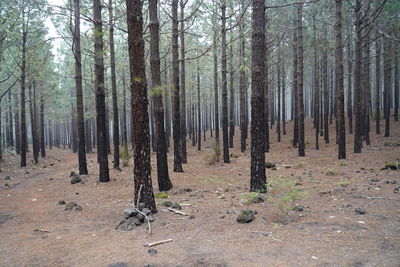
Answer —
118 264
61 202
298 208
140 217
152 251
245 216
397 190
222 217
146 211
172 205
390 182
270 165
191 217
360 211
374 180
7 178
230 212
70 206
150 218
78 208
75 179
6 185
119 169
141 206
130 212
128 224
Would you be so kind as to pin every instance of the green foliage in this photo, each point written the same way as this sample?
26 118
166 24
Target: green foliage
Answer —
161 195
251 197
156 91
330 171
342 163
124 155
270 165
284 193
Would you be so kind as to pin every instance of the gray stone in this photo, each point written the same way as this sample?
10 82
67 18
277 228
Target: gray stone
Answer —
360 211
7 178
152 251
128 224
75 179
397 190
130 212
298 208
390 182
230 212
172 205
70 206
118 264
141 206
146 211
245 216
78 208
61 202
139 216
150 218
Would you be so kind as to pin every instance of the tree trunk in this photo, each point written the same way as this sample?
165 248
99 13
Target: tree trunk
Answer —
357 80
164 182
258 177
113 87
225 134
243 89
142 167
175 77
22 94
100 96
79 97
216 102
396 88
349 82
183 83
278 122
300 110
42 129
231 96
378 85
339 82
198 109
387 84
296 104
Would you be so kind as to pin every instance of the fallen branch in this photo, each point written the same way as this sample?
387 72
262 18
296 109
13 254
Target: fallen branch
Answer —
177 212
145 216
372 198
147 244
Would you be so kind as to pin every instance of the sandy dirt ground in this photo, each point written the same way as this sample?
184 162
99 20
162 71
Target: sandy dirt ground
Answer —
36 231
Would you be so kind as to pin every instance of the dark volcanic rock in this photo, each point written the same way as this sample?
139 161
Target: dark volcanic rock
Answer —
246 216
128 224
172 205
152 251
7 178
75 179
61 202
360 211
72 206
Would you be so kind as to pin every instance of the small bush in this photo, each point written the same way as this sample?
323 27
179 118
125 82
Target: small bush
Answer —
161 195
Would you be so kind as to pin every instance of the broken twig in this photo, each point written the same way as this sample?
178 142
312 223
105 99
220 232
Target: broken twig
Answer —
147 244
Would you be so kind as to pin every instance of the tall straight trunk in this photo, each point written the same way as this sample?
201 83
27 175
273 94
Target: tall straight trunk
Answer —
100 95
257 168
339 82
113 86
278 123
396 88
387 84
183 82
231 95
164 183
300 71
378 85
142 168
10 119
242 88
167 98
42 129
266 96
283 100
124 120
349 82
215 81
22 94
33 121
175 77
316 86
326 95
357 80
225 137
78 91
198 109
17 125
296 104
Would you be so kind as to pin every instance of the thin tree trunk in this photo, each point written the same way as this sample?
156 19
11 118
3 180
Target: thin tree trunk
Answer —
164 183
22 94
278 123
349 82
396 88
225 134
296 104
42 129
387 84
378 85
198 109
301 143
100 95
183 83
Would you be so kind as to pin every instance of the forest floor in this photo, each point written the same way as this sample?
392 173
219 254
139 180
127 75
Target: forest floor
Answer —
36 231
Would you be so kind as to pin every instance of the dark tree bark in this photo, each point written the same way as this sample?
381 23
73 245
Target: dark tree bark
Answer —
113 86
387 84
316 86
243 88
175 77
164 182
216 102
124 120
142 167
10 142
183 82
22 93
300 67
42 129
283 100
339 82
296 104
231 95
349 82
33 122
396 88
198 109
378 85
357 80
278 122
100 95
258 176
17 126
78 90
225 134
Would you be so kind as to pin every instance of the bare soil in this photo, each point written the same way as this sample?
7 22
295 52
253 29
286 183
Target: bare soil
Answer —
36 231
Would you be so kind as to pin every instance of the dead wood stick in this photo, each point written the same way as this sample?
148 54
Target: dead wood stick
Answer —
145 216
147 244
371 198
177 211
